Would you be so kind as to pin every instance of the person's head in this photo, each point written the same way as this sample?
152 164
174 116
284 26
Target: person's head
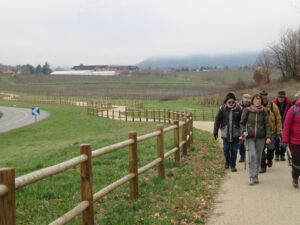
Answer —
246 100
265 97
256 100
230 99
281 96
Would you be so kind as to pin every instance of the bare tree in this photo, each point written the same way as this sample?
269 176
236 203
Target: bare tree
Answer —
285 54
264 63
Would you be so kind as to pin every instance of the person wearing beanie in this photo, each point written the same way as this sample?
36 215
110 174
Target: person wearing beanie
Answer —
255 127
246 101
283 103
276 130
228 121
291 136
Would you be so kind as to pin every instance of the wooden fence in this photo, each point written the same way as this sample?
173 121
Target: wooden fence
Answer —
153 115
9 184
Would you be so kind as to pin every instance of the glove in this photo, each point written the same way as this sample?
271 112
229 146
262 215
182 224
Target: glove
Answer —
284 145
216 136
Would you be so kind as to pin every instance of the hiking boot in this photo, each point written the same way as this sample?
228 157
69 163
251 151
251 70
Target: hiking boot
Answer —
251 181
242 160
255 180
277 158
295 183
263 170
226 166
233 169
282 158
270 163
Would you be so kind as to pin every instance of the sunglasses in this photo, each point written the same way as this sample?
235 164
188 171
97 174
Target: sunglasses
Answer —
231 102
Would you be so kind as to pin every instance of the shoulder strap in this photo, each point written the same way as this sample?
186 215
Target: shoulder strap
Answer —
296 110
247 115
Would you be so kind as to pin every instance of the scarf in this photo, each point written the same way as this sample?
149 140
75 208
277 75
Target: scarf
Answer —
254 108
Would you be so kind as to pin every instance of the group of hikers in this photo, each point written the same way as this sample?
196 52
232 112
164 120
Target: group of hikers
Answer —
265 127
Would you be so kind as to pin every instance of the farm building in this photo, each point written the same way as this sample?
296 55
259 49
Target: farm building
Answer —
96 70
9 72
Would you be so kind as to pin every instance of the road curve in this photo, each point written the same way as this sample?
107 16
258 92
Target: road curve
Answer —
17 117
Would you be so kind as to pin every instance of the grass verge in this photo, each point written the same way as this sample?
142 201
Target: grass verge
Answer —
184 196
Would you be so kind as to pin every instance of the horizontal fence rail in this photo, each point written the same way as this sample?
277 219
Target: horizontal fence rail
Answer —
148 115
9 184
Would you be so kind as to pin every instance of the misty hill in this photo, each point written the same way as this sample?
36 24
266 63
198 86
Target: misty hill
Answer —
197 61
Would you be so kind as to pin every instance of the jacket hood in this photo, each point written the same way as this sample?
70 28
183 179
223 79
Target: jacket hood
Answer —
288 101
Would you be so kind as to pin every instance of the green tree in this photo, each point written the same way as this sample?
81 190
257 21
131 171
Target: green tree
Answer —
38 69
46 68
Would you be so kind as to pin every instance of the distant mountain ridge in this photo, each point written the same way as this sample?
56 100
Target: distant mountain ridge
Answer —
196 61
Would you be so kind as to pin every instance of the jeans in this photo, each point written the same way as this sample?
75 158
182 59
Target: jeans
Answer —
279 150
242 148
230 153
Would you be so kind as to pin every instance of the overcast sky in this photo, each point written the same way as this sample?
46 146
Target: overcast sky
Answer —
70 32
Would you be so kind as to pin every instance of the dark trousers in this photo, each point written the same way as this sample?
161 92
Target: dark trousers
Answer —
296 161
279 150
230 151
242 148
266 156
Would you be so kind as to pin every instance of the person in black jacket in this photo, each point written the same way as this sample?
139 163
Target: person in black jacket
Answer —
228 121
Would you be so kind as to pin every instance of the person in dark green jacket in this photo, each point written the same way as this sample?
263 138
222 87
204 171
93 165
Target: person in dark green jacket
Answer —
255 127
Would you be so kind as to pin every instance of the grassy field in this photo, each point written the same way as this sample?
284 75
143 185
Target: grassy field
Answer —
140 85
185 195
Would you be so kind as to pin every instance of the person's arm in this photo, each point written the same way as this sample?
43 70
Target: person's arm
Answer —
243 121
287 125
278 119
267 125
218 121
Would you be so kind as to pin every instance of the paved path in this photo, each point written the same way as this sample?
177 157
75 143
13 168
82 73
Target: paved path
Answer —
17 117
274 201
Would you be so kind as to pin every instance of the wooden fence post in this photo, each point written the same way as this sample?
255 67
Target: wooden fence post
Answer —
133 165
154 115
107 112
101 112
176 141
160 150
140 116
8 202
192 129
146 115
169 116
164 116
188 132
203 115
184 147
132 115
159 115
113 115
86 174
126 115
194 117
119 115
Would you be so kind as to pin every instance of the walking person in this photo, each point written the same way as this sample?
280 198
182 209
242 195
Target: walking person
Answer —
291 135
283 103
255 126
276 131
228 121
243 104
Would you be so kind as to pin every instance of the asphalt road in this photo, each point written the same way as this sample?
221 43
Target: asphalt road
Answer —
17 117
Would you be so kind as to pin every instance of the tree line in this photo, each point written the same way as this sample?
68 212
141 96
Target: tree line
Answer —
27 69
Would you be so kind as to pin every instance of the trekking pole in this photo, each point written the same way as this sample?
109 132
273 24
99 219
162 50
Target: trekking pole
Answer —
289 156
245 165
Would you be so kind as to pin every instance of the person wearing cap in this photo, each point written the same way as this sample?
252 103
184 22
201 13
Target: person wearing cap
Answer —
255 127
228 121
243 104
276 130
291 135
297 95
283 103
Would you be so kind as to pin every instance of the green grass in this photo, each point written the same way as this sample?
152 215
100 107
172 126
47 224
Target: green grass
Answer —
185 195
1 114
